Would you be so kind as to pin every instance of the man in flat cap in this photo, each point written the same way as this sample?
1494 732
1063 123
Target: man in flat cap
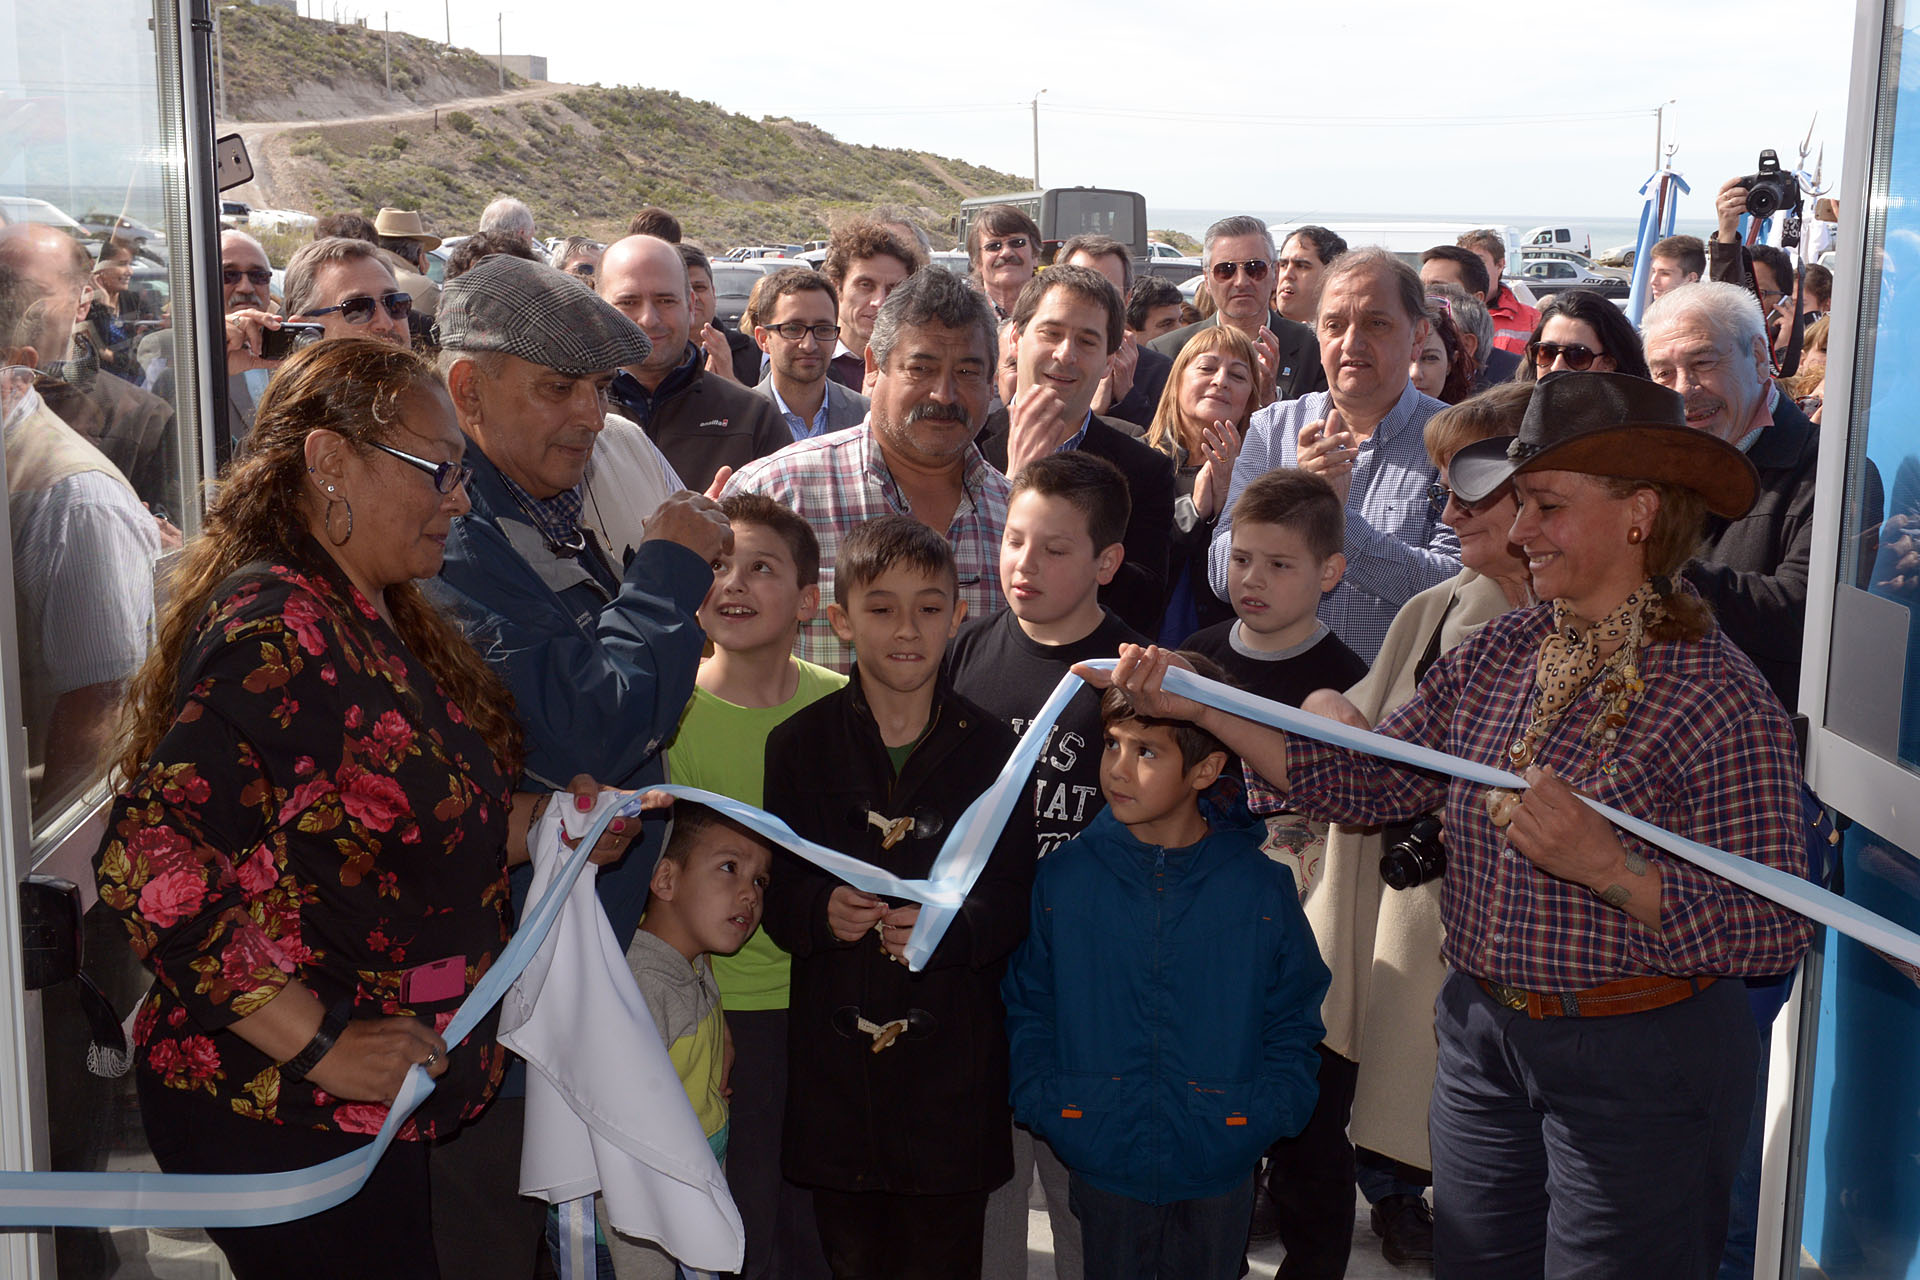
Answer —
600 656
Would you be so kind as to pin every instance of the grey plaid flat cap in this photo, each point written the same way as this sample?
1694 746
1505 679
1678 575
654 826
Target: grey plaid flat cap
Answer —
530 310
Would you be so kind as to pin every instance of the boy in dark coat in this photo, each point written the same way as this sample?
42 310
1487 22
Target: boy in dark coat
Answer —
897 1110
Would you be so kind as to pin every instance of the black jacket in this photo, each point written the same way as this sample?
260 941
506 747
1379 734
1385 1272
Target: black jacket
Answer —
1138 592
1753 570
701 422
1299 371
1149 380
929 1114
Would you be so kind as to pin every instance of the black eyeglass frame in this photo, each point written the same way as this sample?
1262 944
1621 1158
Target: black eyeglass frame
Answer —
1255 269
822 333
447 476
398 304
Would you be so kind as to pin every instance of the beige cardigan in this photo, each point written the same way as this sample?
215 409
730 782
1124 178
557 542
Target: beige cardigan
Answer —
1383 946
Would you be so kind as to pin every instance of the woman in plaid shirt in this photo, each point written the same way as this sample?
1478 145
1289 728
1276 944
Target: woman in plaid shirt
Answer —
1595 1073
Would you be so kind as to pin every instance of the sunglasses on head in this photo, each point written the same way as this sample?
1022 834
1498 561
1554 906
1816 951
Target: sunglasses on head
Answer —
1256 269
1578 358
360 310
447 476
1011 242
260 276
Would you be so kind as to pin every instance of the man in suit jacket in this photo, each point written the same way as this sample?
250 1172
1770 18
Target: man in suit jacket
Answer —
1239 257
1065 327
1708 342
1136 375
793 313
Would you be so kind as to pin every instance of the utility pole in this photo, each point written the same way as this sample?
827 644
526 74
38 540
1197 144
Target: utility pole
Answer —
386 28
449 7
1036 140
1659 120
500 30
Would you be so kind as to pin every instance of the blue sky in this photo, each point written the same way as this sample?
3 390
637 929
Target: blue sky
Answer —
1383 106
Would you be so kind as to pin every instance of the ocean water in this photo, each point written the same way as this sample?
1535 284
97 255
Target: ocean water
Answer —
1620 227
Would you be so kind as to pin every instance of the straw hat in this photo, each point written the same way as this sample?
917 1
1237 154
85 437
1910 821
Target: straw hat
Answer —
1610 424
404 224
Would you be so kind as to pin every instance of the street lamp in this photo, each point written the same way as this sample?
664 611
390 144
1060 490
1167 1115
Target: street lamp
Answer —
1036 140
220 53
1659 119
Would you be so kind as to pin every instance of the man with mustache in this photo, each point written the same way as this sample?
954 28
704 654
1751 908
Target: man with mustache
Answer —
1003 248
1709 342
932 357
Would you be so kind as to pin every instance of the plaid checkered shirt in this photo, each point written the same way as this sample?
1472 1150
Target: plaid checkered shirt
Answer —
1706 753
840 481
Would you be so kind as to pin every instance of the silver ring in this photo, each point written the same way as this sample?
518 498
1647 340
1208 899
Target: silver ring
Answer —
433 1056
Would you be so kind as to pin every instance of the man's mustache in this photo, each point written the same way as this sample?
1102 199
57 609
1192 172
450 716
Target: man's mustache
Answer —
933 411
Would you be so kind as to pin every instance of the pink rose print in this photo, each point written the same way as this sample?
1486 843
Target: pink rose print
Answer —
144 1021
248 956
392 734
258 873
328 674
355 717
304 797
177 1016
303 766
164 1059
170 898
186 788
302 616
161 848
373 799
360 1117
201 1059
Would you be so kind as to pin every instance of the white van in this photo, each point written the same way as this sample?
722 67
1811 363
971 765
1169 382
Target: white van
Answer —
1574 238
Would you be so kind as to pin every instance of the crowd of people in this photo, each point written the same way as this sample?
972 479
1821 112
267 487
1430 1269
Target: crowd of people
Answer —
550 527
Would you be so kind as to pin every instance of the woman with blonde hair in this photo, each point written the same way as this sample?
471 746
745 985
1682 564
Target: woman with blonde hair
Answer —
1202 418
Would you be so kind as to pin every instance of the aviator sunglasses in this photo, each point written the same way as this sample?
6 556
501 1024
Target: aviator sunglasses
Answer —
1256 269
360 310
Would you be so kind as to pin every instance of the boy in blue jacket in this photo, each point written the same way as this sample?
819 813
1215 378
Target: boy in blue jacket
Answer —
1163 1011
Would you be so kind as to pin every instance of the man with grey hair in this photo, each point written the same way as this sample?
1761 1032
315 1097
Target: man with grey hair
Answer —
932 357
1239 261
346 287
1708 342
600 656
509 215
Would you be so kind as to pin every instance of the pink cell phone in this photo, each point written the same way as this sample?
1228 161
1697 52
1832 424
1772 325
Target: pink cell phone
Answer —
436 980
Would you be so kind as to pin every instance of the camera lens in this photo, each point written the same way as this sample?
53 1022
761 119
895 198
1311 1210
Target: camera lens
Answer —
1762 203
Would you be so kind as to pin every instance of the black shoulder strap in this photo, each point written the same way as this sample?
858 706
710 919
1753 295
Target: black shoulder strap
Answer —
1432 655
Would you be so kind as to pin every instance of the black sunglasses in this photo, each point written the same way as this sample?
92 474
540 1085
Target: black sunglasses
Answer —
360 310
447 476
1257 269
1011 242
1438 495
1578 358
260 276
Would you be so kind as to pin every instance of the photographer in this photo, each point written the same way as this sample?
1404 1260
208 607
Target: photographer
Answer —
1730 260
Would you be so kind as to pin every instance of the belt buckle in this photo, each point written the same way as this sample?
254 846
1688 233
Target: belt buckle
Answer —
1512 997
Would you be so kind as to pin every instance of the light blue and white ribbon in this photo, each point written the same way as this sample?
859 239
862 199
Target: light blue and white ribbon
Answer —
236 1200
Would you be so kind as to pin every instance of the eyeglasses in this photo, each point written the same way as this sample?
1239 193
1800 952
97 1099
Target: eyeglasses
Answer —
1011 242
794 331
1578 358
447 476
1256 270
1438 495
360 310
259 276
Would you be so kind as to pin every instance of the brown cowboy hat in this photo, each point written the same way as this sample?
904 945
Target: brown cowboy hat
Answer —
404 224
1611 424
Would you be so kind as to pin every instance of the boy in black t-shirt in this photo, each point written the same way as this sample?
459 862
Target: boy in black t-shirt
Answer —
1288 528
1066 517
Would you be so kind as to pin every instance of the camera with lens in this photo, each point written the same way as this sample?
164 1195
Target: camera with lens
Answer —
1414 854
1770 190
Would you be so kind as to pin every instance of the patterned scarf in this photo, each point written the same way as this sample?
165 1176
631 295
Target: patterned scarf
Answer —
1573 654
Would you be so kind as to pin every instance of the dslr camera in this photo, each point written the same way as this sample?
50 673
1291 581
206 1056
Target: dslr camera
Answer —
1772 189
1414 854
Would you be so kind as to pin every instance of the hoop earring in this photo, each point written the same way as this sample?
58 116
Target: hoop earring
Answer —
1634 536
327 522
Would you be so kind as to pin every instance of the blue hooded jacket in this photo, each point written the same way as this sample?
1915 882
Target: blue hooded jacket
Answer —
1164 1010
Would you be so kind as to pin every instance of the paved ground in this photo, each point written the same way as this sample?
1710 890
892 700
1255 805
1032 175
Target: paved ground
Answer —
1366 1264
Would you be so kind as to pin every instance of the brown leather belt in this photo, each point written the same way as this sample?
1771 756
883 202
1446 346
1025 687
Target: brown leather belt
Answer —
1628 995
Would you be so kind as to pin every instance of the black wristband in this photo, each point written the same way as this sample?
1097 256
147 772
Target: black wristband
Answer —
331 1025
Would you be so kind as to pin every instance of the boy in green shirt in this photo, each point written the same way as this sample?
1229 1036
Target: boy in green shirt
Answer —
763 593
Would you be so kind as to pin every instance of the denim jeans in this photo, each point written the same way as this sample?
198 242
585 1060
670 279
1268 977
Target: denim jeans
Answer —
1127 1239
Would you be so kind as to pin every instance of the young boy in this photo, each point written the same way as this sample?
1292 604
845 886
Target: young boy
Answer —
705 899
1066 517
1285 553
897 1110
1163 1011
763 593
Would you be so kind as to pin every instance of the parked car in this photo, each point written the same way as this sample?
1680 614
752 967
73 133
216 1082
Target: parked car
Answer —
733 281
954 260
1546 276
27 209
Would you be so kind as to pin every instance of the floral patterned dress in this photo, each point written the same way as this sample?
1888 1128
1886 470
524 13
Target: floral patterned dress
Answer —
320 811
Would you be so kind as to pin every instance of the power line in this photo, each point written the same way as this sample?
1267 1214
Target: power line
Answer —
1242 118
